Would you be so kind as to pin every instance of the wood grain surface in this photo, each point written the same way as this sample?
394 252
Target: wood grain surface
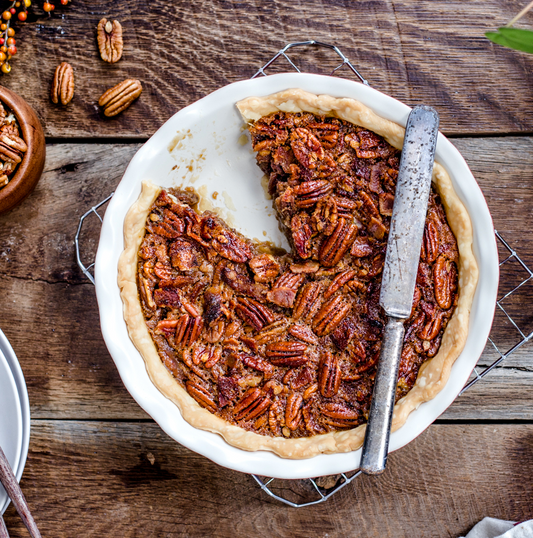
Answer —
131 480
432 52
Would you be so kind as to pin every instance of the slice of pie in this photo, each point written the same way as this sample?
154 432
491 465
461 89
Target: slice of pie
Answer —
279 352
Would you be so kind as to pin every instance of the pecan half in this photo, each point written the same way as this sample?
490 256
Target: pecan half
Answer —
268 333
254 313
208 355
445 277
109 37
11 148
286 353
432 328
230 246
339 415
338 282
309 193
308 301
201 395
278 350
338 243
329 375
306 147
304 333
258 364
301 235
431 242
331 315
120 97
188 329
253 403
62 84
293 411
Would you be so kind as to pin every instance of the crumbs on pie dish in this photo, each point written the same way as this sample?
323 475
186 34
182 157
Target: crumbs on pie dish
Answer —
279 352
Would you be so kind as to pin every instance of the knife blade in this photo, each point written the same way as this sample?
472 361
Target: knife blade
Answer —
399 275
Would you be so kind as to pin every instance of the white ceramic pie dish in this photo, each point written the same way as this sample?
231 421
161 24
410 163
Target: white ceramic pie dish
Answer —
203 146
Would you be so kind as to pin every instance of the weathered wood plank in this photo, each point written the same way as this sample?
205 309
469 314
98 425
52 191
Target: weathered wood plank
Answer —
434 53
101 479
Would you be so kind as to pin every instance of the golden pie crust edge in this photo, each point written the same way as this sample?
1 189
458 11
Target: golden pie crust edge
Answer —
433 374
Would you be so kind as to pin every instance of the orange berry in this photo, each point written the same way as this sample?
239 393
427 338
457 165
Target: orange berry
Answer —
10 32
17 4
2 57
11 41
6 68
6 15
47 6
3 27
22 16
12 50
3 48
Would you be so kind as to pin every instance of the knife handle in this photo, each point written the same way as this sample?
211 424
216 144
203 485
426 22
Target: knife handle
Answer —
376 445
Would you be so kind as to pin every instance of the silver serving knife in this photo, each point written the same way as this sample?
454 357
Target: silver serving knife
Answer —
399 275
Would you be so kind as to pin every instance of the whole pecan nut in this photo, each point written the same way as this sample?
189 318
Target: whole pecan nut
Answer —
120 97
62 84
109 37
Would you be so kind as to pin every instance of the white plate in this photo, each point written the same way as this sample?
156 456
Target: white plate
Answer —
202 146
14 414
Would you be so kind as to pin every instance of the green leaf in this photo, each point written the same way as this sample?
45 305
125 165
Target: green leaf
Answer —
517 34
501 39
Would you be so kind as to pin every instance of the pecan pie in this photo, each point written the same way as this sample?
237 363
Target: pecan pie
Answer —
279 352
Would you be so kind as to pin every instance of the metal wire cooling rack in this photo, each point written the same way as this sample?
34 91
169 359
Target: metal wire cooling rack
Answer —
325 487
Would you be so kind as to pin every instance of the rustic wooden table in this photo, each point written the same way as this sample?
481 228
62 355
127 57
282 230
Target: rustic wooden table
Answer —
98 465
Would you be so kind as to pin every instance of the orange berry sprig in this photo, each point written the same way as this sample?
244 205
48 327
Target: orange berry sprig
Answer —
8 47
48 6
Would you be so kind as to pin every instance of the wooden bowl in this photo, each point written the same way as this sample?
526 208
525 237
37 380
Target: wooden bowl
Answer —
29 170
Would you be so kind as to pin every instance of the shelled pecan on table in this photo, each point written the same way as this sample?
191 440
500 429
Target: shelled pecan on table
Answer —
62 84
109 37
117 99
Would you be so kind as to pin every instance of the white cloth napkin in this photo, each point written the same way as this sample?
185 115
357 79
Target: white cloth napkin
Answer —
497 528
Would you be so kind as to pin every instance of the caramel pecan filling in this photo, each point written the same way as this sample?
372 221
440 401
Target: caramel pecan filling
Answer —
288 345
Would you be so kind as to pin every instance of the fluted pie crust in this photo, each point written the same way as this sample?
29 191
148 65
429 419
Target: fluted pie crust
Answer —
433 374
